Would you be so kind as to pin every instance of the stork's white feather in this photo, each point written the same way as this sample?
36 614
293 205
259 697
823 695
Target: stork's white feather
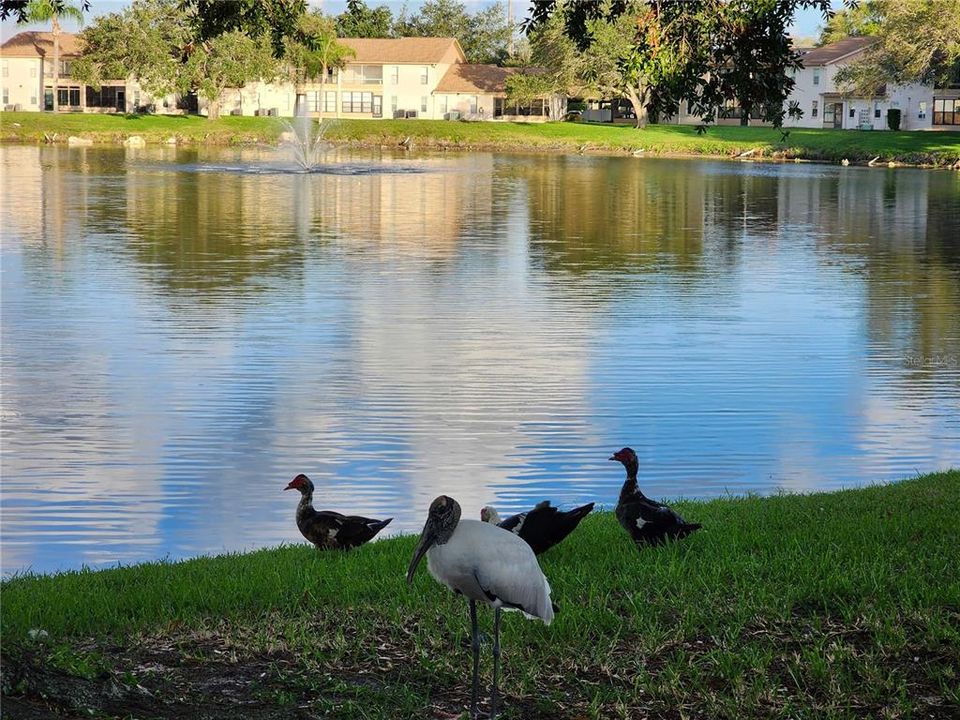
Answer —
486 564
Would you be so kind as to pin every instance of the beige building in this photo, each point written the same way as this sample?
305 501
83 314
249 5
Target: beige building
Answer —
421 77
26 80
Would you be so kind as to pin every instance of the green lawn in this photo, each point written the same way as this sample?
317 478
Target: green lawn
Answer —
838 605
931 148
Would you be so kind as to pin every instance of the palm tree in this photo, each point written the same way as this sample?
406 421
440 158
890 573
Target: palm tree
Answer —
312 54
48 11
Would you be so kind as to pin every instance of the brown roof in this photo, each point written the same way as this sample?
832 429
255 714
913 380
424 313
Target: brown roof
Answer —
33 44
422 50
828 54
473 79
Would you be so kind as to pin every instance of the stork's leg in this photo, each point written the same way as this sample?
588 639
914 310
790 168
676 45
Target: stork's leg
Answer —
475 645
496 663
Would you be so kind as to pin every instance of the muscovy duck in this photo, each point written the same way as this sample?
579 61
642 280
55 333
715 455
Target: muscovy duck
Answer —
647 521
330 530
542 527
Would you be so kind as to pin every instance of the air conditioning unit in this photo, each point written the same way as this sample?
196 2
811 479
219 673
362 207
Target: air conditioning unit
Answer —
452 115
273 112
236 111
399 114
411 113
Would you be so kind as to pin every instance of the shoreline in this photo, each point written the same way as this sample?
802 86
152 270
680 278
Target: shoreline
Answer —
840 604
933 150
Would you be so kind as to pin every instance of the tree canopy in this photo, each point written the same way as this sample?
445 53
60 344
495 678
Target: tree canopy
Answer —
360 20
484 35
19 8
276 19
857 20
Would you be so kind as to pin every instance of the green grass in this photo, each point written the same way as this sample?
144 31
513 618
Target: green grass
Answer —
838 605
929 148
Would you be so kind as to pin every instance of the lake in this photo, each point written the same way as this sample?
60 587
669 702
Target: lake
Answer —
183 331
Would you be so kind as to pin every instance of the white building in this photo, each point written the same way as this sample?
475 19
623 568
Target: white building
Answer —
825 105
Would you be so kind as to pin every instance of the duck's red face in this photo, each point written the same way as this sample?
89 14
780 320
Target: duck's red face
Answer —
300 481
624 455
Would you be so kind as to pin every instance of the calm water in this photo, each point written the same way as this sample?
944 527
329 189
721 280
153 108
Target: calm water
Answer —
183 332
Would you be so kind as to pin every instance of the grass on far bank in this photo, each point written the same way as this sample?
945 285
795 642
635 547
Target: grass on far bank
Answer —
921 148
829 605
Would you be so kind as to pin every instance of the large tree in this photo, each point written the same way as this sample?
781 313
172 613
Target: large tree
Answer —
148 41
359 20
484 35
44 11
703 52
917 42
229 60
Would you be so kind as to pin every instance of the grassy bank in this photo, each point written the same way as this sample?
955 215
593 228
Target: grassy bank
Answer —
922 148
840 605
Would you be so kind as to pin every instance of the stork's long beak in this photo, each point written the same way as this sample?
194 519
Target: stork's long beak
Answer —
427 538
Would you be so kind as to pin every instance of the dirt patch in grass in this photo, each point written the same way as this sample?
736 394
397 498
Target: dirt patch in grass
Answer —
218 674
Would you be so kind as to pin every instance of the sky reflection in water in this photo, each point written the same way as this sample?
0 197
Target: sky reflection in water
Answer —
178 344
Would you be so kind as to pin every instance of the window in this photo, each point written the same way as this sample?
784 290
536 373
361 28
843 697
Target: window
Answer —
66 68
425 75
6 96
876 109
33 99
330 101
393 105
423 104
922 110
946 111
473 104
816 76
357 102
33 72
853 113
106 97
395 75
815 109
6 69
363 75
68 96
443 104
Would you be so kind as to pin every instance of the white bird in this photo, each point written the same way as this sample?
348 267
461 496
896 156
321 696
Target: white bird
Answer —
483 563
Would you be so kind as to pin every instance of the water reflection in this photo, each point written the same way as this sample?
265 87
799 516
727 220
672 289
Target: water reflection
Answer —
177 344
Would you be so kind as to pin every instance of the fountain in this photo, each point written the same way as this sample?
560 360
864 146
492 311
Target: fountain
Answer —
305 140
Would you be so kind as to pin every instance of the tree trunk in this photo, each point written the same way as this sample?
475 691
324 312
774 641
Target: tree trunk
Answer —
744 117
56 63
323 99
637 100
213 109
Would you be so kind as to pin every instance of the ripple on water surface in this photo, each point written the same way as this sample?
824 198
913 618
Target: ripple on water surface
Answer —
185 330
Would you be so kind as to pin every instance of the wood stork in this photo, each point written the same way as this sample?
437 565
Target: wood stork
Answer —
542 527
484 564
647 521
330 530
